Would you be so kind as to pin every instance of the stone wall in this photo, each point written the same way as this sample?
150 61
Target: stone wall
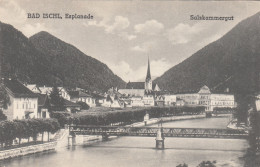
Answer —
21 151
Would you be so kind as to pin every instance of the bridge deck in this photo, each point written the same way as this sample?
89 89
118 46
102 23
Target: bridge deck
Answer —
152 132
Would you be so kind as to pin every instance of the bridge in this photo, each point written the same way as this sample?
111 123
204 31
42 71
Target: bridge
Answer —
152 132
159 132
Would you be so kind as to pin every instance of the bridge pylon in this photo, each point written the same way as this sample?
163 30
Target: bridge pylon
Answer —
159 139
72 139
104 136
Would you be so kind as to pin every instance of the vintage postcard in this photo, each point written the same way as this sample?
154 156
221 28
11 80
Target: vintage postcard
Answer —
134 83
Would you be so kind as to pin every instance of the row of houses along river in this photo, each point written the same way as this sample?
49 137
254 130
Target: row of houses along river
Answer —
140 151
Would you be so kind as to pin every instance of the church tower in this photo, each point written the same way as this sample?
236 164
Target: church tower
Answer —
148 81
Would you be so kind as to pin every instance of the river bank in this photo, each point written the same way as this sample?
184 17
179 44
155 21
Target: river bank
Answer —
21 151
60 140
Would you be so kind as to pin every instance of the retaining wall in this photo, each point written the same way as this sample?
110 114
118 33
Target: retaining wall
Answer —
21 151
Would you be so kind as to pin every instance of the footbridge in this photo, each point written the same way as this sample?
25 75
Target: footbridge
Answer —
158 132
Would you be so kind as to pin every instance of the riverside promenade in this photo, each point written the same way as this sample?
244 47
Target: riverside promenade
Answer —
166 119
36 148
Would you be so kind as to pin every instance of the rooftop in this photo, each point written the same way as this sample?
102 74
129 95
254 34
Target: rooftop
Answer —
135 85
17 89
77 94
70 104
42 99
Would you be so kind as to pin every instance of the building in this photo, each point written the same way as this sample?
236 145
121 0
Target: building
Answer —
45 90
204 97
137 101
159 100
23 102
170 100
149 100
189 99
43 106
64 93
34 88
80 96
100 99
71 107
140 88
221 101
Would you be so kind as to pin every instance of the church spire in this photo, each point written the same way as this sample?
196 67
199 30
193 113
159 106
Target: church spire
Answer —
148 75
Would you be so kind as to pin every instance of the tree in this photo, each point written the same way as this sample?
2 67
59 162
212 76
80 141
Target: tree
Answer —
2 116
207 164
4 98
57 102
254 134
62 117
83 106
20 129
244 102
182 165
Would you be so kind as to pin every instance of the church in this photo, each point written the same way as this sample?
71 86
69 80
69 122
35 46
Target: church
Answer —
140 88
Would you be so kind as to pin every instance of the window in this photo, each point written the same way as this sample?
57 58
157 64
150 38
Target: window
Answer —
17 105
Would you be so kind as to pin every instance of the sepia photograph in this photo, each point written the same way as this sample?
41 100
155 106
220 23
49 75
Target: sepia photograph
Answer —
135 83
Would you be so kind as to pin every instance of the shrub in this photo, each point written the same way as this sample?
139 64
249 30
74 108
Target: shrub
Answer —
129 116
61 116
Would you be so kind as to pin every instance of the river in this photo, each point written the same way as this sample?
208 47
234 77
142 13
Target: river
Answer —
141 152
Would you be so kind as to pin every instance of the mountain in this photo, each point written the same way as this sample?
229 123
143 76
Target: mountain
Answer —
231 62
19 58
46 60
73 66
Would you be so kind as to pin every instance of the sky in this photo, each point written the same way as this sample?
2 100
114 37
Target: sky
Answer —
123 34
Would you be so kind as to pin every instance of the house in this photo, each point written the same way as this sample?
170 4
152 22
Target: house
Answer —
76 96
137 101
45 90
148 100
33 87
64 93
117 104
43 106
170 100
99 98
126 102
107 102
180 102
23 102
71 107
159 100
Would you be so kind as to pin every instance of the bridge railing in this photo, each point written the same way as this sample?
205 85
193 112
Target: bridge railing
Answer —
152 131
